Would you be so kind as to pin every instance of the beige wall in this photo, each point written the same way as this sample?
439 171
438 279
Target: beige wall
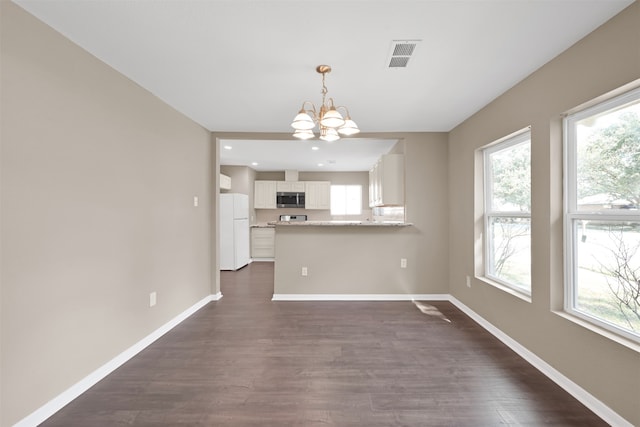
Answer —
98 180
352 260
602 62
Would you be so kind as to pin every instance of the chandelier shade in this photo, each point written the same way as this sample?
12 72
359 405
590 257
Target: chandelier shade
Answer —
304 134
332 119
332 124
348 128
329 134
303 121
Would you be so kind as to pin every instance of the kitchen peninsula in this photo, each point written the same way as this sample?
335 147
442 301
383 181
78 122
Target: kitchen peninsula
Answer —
319 260
340 223
322 253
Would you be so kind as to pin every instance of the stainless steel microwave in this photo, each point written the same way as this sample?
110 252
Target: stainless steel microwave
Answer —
289 200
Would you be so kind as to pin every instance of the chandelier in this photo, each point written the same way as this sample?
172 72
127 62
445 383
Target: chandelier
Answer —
331 123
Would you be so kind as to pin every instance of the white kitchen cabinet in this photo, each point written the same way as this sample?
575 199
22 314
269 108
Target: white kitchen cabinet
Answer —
263 242
290 186
317 195
225 182
386 181
264 195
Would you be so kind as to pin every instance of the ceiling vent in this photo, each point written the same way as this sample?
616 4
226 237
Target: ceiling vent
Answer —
400 53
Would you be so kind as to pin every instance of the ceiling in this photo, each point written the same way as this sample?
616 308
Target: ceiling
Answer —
354 154
247 65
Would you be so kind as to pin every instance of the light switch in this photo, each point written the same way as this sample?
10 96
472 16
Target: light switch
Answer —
152 299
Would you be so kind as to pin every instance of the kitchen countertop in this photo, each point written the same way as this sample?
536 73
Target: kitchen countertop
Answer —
339 224
263 225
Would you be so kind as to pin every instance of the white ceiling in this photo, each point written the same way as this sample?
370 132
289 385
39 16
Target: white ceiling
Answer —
353 154
247 65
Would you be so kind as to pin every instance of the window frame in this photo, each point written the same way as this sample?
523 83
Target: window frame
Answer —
520 137
571 214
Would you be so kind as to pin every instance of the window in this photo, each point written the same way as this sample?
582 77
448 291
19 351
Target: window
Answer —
602 217
346 199
507 212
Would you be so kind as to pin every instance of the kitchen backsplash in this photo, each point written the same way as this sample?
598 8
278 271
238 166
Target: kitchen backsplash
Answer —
268 215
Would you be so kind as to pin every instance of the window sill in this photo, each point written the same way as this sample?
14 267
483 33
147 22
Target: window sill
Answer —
521 295
626 342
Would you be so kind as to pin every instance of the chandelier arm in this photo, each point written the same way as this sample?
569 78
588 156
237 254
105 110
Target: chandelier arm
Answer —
311 111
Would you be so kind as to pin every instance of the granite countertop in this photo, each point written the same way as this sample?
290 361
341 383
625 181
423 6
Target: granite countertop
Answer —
340 223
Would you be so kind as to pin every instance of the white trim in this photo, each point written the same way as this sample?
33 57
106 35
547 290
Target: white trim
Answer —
572 214
360 297
516 139
583 396
58 402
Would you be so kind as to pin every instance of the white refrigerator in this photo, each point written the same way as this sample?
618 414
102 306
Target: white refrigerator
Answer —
234 231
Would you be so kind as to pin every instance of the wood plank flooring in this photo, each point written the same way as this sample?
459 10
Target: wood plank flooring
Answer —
248 361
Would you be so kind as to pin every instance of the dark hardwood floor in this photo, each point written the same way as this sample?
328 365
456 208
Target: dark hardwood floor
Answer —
248 361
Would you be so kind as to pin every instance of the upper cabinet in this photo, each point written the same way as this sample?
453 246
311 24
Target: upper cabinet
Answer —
264 195
317 195
290 186
225 182
386 181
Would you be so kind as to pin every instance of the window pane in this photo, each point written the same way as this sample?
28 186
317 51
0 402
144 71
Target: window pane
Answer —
346 200
354 200
338 200
608 160
510 251
510 179
607 274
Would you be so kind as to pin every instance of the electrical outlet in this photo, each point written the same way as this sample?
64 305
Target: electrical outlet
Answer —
152 299
468 282
305 271
195 201
403 263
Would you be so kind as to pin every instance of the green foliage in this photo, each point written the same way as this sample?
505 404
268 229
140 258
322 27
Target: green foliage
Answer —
511 174
609 161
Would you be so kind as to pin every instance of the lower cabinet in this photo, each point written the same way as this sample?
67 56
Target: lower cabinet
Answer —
263 242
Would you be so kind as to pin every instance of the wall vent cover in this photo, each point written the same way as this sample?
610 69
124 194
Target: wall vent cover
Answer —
400 53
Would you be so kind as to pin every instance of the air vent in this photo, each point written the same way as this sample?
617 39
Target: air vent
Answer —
400 53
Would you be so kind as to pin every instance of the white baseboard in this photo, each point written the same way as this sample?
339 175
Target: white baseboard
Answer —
58 402
583 396
360 297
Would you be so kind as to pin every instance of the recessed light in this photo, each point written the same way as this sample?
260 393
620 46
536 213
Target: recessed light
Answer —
254 163
320 164
228 147
315 148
